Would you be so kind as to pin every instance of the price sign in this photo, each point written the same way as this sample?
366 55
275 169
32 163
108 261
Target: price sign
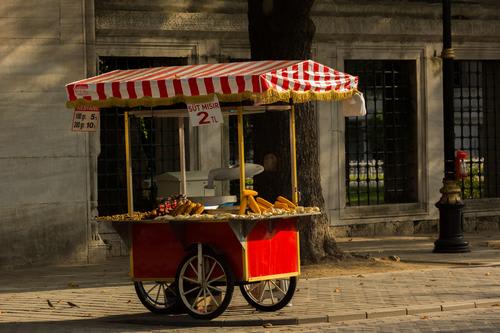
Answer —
208 113
85 119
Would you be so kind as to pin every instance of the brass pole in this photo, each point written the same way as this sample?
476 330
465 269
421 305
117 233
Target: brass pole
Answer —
128 166
182 156
241 151
293 157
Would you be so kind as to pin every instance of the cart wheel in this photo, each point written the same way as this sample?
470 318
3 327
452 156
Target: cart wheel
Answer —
205 293
158 296
269 295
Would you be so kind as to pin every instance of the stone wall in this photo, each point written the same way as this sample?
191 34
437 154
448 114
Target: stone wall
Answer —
336 21
44 166
210 31
48 172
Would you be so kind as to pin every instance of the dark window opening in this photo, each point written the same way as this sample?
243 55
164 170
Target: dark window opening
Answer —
381 147
476 97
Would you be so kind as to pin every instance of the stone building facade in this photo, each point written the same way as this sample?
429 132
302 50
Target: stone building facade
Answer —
50 174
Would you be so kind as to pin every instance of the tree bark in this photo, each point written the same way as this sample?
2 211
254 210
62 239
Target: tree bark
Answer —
283 29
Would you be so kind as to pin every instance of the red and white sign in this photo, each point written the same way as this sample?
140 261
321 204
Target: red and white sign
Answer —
208 113
85 119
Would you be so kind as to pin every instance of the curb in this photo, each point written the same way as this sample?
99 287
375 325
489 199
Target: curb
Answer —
332 317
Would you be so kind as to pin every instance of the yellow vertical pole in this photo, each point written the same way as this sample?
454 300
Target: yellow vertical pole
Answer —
128 166
182 156
241 151
293 157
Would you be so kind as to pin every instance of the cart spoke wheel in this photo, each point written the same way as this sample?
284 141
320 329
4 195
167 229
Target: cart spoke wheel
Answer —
158 296
205 292
269 295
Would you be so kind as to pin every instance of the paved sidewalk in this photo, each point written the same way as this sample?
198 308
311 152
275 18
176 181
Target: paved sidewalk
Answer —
104 297
485 248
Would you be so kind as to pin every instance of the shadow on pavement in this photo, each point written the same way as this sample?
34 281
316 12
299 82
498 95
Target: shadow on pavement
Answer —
113 272
133 323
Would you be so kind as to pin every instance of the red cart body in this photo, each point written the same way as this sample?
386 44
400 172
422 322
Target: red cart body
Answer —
255 250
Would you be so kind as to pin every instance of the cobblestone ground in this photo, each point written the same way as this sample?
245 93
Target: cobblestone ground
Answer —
475 320
117 309
462 321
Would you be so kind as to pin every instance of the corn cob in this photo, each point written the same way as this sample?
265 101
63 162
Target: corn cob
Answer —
178 208
262 207
200 208
264 202
253 205
250 192
184 207
286 202
281 205
190 208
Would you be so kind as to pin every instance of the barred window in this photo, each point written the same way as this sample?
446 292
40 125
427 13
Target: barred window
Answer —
154 146
381 147
476 104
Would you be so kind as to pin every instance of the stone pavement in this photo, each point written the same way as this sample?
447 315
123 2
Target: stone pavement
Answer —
485 248
103 298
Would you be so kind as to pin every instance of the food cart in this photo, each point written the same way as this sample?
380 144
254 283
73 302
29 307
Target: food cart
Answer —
191 258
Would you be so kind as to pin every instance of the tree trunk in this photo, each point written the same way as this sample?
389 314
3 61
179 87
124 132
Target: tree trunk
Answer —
283 29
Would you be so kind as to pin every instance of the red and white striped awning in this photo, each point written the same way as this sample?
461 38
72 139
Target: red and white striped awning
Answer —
260 81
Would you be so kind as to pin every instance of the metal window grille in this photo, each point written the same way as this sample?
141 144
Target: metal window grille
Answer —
476 97
380 148
154 146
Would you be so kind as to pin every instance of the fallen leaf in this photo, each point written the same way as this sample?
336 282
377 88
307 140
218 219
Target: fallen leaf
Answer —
72 304
487 274
360 276
337 290
424 317
50 303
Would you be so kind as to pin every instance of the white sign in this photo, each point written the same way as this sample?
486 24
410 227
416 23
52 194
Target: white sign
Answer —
208 113
85 119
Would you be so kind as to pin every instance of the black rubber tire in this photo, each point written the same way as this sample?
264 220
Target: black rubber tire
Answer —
229 286
171 306
276 306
